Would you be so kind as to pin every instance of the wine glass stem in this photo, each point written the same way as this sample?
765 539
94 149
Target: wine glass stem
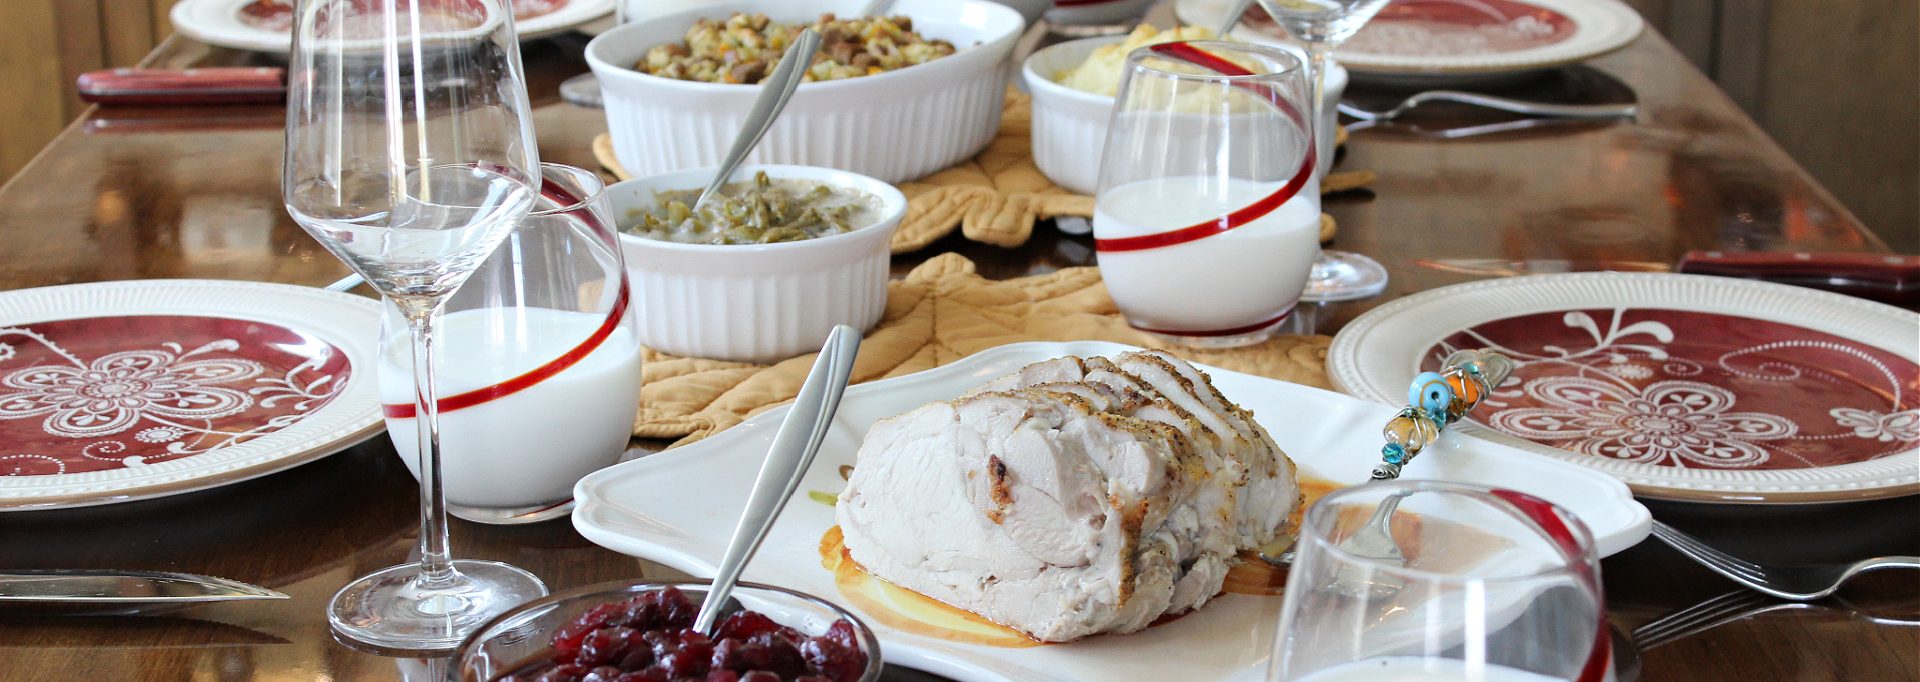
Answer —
1317 59
436 563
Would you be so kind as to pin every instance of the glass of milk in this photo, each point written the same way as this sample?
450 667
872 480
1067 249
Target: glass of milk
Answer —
538 363
1495 585
1208 211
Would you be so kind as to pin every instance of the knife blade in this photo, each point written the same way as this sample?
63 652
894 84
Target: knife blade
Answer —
1887 278
213 85
84 586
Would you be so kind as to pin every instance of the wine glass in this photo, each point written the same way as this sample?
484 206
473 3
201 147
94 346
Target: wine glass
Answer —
1320 26
410 156
1207 213
542 362
1495 585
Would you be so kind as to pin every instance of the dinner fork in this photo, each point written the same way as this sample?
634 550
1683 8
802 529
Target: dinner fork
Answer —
1735 606
1797 583
1581 111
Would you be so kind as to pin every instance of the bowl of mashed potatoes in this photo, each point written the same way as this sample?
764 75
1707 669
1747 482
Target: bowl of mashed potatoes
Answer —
1074 85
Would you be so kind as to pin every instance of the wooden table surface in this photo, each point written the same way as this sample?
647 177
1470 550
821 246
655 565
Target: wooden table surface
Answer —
193 192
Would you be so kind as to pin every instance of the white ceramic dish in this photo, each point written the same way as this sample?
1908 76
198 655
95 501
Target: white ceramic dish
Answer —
756 302
217 22
896 126
1805 396
1402 45
1070 126
678 507
194 384
1075 12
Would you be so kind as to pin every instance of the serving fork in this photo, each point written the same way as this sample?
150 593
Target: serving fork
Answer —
1796 583
1516 106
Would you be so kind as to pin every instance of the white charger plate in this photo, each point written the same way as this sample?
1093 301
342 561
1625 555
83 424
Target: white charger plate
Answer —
118 391
1798 395
217 22
1398 45
679 507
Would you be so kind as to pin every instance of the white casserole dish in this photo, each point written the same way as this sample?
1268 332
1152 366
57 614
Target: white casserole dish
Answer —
755 302
895 126
1070 126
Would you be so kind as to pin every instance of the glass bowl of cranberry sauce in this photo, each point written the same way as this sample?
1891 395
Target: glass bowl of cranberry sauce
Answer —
640 632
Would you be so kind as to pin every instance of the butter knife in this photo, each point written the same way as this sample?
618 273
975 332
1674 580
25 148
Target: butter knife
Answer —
67 587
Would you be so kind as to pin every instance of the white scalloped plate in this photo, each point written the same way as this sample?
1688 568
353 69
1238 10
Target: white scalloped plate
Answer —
1736 360
679 507
235 380
217 22
1590 28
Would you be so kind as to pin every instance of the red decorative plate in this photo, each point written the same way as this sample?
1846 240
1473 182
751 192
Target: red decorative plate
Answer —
127 390
1686 387
1449 39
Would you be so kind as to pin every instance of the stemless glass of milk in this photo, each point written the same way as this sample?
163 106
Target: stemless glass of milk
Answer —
1495 585
538 364
1208 213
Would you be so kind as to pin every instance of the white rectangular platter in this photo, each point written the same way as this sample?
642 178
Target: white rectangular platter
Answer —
679 507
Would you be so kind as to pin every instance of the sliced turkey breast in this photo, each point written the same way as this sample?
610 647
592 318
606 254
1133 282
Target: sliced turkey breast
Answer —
1069 498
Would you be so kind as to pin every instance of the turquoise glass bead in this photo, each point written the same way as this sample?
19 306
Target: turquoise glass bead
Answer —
1393 453
1431 393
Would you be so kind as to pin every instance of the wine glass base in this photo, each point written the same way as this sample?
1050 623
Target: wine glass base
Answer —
514 516
1344 276
390 609
582 91
1213 341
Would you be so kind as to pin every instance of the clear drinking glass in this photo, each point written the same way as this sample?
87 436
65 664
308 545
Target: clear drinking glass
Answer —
1320 26
1496 585
410 156
540 363
1208 214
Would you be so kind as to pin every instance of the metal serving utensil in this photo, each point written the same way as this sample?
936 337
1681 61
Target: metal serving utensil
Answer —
1232 18
1795 583
1435 399
775 92
1599 112
794 446
82 587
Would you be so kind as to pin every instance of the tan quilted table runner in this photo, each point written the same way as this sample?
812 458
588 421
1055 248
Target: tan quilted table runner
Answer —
997 196
939 313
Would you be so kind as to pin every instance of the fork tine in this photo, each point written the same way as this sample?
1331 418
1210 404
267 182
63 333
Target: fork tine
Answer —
1693 619
1708 554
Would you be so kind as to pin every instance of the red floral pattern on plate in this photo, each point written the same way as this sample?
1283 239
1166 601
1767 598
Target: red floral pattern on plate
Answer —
1418 28
104 393
1695 390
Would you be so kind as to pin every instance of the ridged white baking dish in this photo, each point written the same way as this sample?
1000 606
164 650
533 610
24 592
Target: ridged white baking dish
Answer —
756 302
894 126
1070 126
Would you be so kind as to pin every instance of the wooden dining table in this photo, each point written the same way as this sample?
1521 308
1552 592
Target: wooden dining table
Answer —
193 192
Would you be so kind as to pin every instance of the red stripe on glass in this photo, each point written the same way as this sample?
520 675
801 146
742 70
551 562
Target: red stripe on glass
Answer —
1234 331
534 376
573 204
1544 515
1189 53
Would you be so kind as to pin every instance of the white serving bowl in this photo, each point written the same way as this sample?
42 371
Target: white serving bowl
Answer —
896 126
755 302
1097 11
1070 126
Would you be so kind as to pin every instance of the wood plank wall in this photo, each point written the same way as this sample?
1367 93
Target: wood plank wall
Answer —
45 44
1837 82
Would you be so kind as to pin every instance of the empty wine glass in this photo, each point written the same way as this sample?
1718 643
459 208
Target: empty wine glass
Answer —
1207 213
1320 26
1493 585
410 156
541 362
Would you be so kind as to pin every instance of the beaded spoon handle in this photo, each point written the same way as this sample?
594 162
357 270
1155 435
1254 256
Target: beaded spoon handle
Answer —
1435 400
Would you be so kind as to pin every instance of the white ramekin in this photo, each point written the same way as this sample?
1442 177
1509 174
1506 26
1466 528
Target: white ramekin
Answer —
755 302
896 126
1070 126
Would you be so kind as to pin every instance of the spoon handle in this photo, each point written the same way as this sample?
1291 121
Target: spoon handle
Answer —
1231 19
794 446
775 91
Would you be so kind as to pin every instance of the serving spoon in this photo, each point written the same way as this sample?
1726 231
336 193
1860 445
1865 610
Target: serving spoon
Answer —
1232 19
775 92
794 446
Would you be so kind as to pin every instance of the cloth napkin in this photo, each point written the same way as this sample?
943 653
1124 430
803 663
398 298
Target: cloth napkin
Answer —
997 196
940 312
